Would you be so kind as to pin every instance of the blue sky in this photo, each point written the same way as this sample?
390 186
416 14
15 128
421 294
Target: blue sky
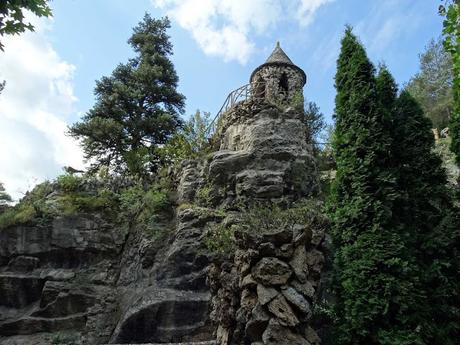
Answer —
217 43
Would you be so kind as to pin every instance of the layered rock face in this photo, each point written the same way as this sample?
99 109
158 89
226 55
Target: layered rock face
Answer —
84 280
263 154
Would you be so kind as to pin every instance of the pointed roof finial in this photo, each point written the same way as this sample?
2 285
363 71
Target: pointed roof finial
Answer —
278 58
278 55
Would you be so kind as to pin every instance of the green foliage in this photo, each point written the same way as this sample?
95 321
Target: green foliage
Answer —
268 217
451 34
297 101
145 208
68 182
137 107
314 123
374 277
432 230
12 15
192 141
19 214
220 239
204 195
432 86
5 198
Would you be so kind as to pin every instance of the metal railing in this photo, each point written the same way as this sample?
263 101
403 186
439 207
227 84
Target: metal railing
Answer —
243 93
236 96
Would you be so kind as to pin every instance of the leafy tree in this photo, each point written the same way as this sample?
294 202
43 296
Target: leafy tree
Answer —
314 122
432 86
192 140
451 33
5 198
137 107
12 16
425 213
373 273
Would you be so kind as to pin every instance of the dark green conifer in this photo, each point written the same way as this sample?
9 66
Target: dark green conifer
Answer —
371 264
137 107
430 222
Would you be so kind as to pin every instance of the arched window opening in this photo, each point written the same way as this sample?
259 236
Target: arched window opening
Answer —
259 88
284 83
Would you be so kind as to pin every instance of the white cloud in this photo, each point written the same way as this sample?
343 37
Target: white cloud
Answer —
34 108
223 27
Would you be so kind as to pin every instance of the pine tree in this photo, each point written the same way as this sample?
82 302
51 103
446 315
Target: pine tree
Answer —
430 222
372 270
137 107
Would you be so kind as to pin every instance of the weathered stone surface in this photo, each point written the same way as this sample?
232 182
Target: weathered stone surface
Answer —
315 260
257 323
271 271
18 291
312 337
277 334
299 263
297 300
265 294
283 312
23 263
162 315
307 289
248 281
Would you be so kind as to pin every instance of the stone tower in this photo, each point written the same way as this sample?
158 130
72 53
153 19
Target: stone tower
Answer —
278 79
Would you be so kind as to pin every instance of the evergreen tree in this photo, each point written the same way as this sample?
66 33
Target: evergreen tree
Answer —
373 274
430 222
137 107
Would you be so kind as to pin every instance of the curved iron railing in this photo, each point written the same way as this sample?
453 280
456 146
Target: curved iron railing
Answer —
236 96
243 93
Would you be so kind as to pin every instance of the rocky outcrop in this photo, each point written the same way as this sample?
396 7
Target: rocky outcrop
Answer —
83 279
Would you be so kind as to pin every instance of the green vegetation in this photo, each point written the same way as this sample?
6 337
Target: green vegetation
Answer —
265 217
432 86
396 231
5 198
373 285
191 141
314 123
143 205
451 34
204 195
432 233
220 239
137 107
12 15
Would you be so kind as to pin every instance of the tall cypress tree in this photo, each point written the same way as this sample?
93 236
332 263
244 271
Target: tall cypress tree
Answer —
371 263
430 222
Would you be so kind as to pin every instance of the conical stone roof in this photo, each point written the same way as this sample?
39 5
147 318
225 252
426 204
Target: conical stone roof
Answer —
279 58
278 55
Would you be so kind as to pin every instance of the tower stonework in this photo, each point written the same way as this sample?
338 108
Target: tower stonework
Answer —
278 79
264 290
